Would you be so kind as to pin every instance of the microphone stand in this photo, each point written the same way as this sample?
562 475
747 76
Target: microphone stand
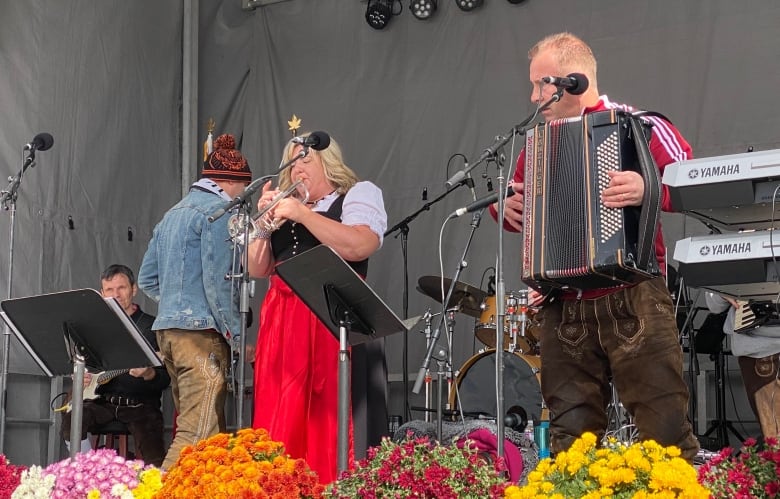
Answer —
403 228
491 153
8 199
442 355
245 283
501 140
241 198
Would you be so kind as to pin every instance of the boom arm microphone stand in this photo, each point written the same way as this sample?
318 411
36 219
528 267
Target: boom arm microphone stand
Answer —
245 283
403 228
491 152
8 202
442 355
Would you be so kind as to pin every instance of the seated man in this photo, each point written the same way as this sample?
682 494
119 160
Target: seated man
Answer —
758 353
133 397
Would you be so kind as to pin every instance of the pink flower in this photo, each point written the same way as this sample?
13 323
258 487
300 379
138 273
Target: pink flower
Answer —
101 470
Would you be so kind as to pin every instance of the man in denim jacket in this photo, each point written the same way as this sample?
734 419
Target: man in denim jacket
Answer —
184 270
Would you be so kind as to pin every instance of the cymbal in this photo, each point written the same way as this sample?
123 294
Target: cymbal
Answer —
466 297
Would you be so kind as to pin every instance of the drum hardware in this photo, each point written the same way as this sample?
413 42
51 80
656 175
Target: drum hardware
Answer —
466 299
518 324
620 423
428 408
443 359
445 367
522 303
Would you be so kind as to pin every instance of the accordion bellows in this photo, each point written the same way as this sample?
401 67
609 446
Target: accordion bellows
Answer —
570 239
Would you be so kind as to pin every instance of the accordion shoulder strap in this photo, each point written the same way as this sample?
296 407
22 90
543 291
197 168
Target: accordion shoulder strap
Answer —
654 114
651 200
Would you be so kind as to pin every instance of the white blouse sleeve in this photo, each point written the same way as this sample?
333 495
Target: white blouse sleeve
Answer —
364 205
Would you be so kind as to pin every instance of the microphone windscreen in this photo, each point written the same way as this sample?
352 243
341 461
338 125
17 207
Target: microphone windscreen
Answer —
581 86
321 140
43 141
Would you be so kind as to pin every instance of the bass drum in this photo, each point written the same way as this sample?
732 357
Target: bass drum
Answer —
476 385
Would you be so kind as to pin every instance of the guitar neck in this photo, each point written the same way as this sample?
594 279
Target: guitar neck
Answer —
106 376
101 378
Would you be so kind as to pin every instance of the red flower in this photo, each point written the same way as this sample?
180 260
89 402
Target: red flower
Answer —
753 472
420 469
10 476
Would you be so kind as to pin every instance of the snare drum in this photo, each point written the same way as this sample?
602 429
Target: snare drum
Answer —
476 382
486 328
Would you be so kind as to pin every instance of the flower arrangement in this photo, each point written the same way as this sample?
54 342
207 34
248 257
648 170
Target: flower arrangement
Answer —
643 469
245 464
420 468
93 475
10 475
34 484
752 472
150 482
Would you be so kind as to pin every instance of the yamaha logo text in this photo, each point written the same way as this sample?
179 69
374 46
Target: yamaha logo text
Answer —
725 249
719 171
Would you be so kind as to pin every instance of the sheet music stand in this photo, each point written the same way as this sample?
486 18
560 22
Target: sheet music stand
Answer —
347 306
96 332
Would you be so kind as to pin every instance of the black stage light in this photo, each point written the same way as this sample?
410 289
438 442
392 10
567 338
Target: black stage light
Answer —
467 5
422 9
379 13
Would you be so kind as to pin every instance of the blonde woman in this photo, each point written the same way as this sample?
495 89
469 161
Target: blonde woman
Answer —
296 375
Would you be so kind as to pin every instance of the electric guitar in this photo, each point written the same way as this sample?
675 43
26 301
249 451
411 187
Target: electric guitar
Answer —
98 379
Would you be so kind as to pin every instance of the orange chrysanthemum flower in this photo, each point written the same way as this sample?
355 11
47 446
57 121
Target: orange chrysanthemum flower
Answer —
245 464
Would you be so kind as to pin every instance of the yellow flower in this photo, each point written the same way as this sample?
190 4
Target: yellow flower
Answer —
585 443
636 460
150 483
638 471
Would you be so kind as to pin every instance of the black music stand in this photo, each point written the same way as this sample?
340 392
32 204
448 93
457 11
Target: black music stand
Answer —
347 306
721 425
96 332
709 339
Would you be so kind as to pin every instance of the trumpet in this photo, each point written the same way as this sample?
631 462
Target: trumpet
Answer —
262 222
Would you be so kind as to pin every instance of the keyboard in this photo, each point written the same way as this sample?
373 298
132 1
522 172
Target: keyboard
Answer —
744 265
731 192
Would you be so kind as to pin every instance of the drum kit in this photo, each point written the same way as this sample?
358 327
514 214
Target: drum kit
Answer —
471 395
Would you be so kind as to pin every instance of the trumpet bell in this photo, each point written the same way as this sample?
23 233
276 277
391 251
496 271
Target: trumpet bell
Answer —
237 223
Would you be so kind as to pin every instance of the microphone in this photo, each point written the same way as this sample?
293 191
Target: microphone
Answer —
470 183
499 142
40 142
316 140
479 203
516 418
574 83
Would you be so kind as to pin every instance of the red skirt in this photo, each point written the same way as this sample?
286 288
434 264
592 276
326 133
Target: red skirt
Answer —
296 381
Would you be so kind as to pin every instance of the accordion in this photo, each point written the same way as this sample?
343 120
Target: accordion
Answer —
570 239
